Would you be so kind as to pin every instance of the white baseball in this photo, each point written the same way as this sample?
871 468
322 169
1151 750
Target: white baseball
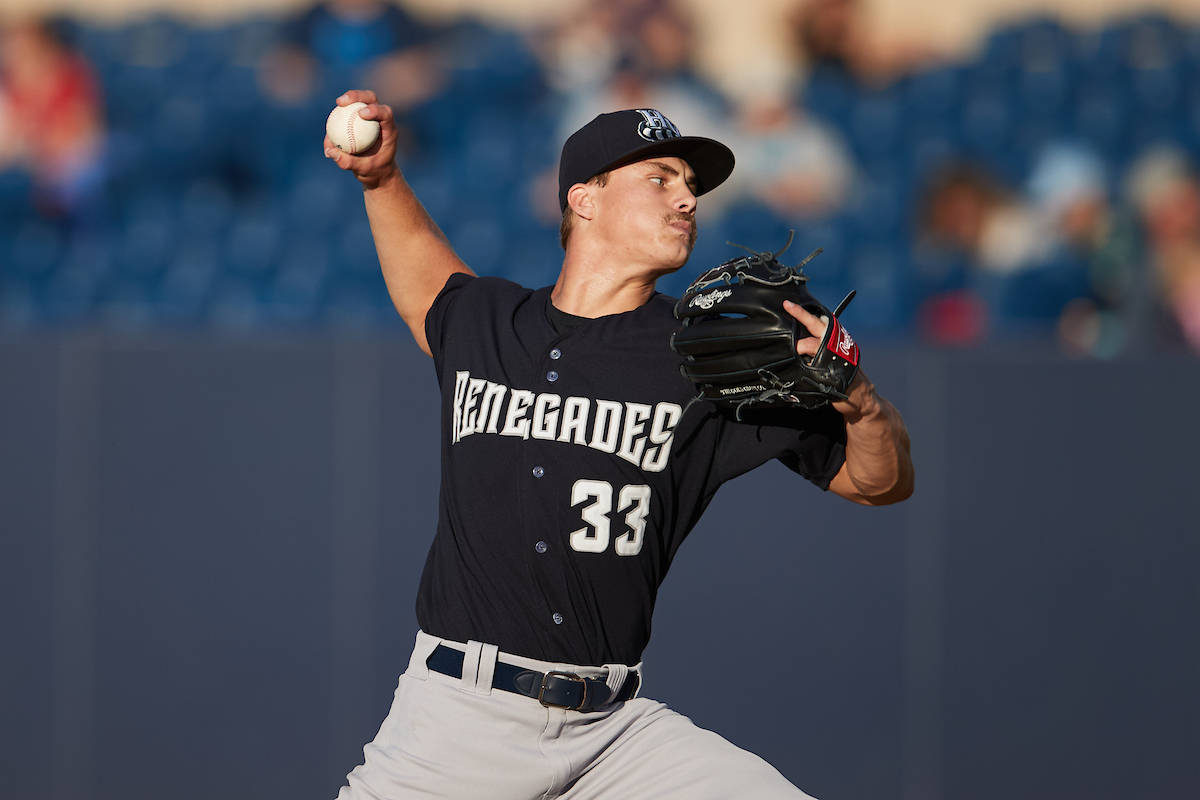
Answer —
350 132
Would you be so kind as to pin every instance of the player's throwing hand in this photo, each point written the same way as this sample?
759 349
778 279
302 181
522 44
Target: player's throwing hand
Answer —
376 165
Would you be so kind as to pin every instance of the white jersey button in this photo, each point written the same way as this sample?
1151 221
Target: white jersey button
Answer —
558 618
556 354
541 547
538 471
552 376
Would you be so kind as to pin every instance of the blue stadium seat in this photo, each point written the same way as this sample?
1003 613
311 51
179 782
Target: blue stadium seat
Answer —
1029 302
236 304
1045 93
186 285
181 137
1150 37
1189 49
1100 117
754 225
154 40
428 179
532 128
532 259
320 198
883 303
86 266
290 244
295 293
126 301
34 250
1148 133
206 207
354 248
1190 121
877 125
493 65
829 94
147 236
828 272
479 241
486 165
935 92
987 124
935 270
18 302
877 209
1157 90
96 41
208 48
1001 50
70 297
253 246
16 187
358 302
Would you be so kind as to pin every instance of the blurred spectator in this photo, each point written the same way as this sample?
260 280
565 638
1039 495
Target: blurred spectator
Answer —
1068 187
588 48
787 161
51 118
1165 192
968 210
1013 284
342 43
834 35
654 44
654 70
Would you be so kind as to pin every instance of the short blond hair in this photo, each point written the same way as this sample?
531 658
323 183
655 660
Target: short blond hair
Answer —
568 217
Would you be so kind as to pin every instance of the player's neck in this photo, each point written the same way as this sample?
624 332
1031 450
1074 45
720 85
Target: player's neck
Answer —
594 286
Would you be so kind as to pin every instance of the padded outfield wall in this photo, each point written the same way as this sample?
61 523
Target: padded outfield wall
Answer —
209 549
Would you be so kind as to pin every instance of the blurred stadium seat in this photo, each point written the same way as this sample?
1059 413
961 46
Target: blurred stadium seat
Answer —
243 225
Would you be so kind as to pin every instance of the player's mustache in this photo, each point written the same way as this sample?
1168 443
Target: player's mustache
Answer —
679 216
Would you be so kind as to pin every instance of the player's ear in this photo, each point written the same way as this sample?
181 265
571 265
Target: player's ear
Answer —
580 200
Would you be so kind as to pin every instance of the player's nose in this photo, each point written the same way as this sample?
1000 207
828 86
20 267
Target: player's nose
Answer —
686 201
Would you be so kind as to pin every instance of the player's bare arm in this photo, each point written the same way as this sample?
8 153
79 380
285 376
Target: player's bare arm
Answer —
414 254
878 469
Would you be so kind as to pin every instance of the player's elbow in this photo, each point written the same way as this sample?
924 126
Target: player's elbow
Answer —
897 494
900 490
883 490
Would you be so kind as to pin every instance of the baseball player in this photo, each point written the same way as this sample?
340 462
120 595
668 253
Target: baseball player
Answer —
573 466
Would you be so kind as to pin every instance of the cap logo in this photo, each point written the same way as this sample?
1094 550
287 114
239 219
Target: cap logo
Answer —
654 127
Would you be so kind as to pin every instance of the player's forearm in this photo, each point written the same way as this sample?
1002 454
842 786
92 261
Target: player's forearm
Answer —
414 254
878 459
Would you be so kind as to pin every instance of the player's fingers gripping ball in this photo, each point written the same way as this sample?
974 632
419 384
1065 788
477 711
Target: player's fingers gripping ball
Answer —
350 132
739 344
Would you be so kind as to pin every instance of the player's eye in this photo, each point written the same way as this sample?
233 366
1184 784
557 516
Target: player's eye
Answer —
661 180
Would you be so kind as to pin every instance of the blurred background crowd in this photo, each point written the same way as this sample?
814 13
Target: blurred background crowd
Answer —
156 171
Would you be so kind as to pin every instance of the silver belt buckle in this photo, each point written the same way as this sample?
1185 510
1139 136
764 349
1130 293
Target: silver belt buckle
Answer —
571 676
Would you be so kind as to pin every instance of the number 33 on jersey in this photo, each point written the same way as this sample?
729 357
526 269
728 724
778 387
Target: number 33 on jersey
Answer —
632 501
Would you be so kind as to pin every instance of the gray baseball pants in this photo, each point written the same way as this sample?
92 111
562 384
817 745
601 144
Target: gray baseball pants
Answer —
460 738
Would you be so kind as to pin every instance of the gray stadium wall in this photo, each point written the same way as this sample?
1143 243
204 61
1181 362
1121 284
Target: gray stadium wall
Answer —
210 548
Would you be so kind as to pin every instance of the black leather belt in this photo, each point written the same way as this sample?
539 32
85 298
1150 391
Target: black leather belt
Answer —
551 689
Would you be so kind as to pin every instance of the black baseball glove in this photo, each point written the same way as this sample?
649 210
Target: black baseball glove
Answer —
739 344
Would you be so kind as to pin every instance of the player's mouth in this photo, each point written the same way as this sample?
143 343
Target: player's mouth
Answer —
685 224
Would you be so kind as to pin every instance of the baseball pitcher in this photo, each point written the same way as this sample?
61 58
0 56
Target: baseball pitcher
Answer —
585 427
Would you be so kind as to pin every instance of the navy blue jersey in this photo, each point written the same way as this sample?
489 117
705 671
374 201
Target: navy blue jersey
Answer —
573 467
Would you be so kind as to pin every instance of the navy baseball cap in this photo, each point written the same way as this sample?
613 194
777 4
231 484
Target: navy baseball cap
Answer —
623 137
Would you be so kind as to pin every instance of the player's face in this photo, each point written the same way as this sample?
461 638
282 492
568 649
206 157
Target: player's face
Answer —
648 212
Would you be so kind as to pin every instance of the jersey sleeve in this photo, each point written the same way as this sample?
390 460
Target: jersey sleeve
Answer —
442 311
810 443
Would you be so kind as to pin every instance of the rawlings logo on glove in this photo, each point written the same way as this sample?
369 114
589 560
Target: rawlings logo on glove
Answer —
709 300
744 354
845 346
